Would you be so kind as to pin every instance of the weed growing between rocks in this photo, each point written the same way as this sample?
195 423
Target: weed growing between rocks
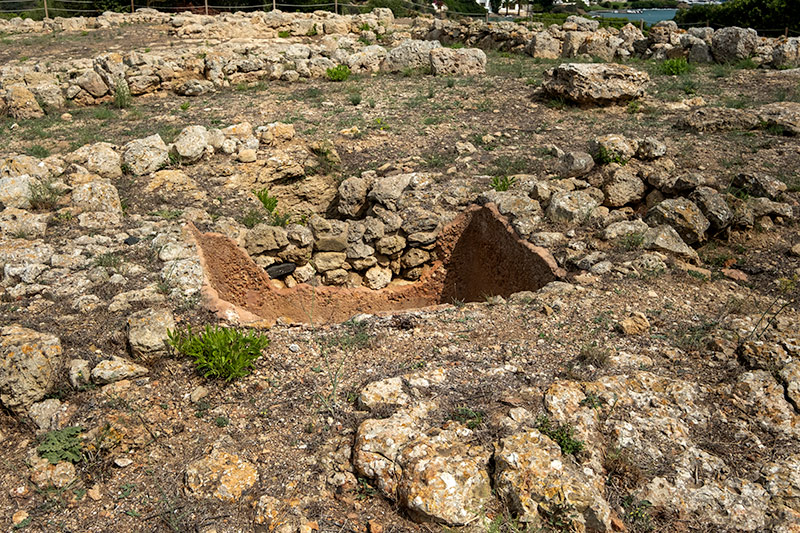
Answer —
560 434
220 352
338 73
61 445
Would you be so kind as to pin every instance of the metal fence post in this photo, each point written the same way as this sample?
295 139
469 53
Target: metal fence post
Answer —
45 9
336 6
206 4
131 6
273 5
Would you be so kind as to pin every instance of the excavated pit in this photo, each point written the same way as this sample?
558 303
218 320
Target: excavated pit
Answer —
479 255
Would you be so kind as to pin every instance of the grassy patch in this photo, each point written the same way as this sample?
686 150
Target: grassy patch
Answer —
560 434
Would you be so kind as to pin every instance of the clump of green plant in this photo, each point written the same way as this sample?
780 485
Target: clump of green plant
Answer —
560 434
44 195
219 352
594 354
107 260
559 516
592 400
355 98
674 67
38 151
471 418
122 95
503 183
269 202
252 218
221 421
605 156
354 337
283 34
312 32
338 73
637 514
61 445
631 241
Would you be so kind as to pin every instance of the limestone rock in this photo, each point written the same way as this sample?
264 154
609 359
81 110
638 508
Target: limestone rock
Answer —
116 369
759 185
543 46
665 238
352 196
575 164
713 206
444 478
622 228
29 363
733 44
683 215
22 104
220 475
377 277
782 116
623 188
571 207
194 88
265 238
533 476
147 332
593 83
635 324
79 372
191 143
457 62
99 158
15 222
410 54
97 195
91 82
15 191
719 118
147 155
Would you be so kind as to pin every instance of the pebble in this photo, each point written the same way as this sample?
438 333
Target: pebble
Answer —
122 462
294 348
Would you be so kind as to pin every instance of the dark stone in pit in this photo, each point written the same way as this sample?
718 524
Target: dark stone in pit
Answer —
280 270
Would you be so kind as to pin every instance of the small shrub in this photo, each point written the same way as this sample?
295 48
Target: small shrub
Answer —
673 67
560 434
745 64
44 196
280 219
634 107
631 241
450 83
338 73
593 354
61 445
502 184
252 218
469 417
186 105
122 95
283 34
220 352
221 421
269 202
103 113
107 260
355 98
637 513
592 400
312 32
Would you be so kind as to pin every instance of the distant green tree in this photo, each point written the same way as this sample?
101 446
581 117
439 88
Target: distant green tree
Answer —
769 17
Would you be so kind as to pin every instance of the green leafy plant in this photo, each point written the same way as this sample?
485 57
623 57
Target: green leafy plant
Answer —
559 516
107 260
560 434
221 421
502 183
637 514
312 32
122 95
469 417
269 202
605 156
631 241
220 352
355 98
594 354
674 67
283 34
280 219
338 73
61 445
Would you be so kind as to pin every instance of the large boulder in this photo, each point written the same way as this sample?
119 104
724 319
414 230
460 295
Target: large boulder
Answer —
457 62
571 207
783 117
29 363
148 332
734 44
713 206
99 158
97 195
410 54
624 187
592 83
191 143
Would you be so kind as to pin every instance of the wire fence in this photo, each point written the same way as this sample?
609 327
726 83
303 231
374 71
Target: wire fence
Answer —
32 8
62 8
